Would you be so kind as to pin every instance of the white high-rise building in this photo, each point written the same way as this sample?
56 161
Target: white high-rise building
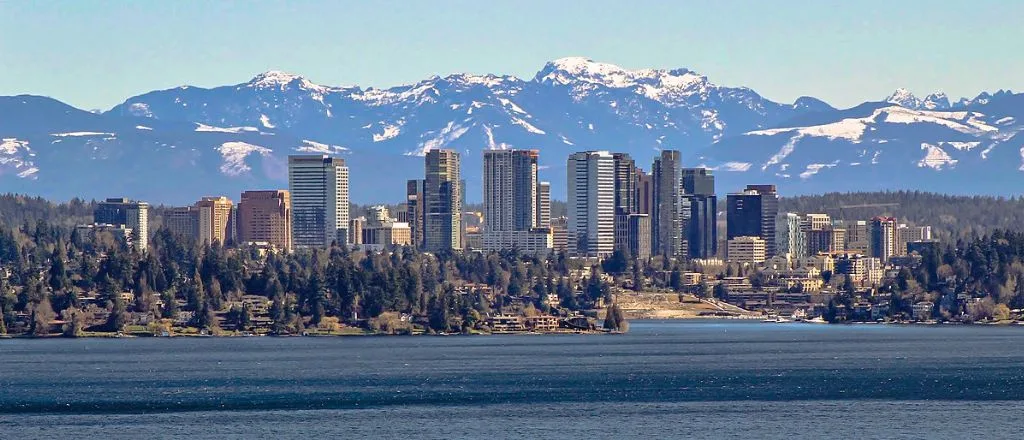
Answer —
544 205
320 202
789 235
591 203
130 214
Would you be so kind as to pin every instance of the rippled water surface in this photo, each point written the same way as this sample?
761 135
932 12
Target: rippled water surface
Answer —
663 379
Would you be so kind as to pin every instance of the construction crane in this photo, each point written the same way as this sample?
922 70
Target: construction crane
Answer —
842 208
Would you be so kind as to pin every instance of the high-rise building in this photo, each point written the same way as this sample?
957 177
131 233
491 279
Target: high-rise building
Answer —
442 196
858 236
182 221
790 236
544 205
910 234
883 238
560 233
644 193
625 197
698 181
625 184
356 226
817 222
130 214
510 190
638 237
414 210
320 200
591 203
824 241
753 213
213 216
512 202
266 217
667 220
702 227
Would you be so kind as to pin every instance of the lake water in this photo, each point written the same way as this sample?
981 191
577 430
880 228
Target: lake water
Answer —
662 380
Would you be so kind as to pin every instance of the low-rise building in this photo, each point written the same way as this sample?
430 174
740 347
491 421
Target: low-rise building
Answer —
506 323
923 310
692 278
746 250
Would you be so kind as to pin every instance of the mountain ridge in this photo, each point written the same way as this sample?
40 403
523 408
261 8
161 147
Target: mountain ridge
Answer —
227 138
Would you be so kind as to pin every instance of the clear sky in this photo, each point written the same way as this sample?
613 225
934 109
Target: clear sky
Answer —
94 54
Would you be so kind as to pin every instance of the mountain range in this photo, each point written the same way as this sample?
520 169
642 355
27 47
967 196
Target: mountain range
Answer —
173 146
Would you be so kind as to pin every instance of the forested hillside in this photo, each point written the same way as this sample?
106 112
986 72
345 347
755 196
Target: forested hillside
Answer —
952 217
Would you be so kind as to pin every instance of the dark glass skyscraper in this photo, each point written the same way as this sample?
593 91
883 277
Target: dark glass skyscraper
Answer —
698 181
667 219
752 213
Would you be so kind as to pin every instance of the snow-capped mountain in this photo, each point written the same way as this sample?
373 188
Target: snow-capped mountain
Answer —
972 147
178 144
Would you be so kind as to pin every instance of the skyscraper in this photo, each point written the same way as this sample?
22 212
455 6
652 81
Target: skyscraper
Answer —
511 202
442 194
701 228
698 181
591 203
789 235
129 214
644 192
667 218
320 202
266 216
182 221
625 197
414 210
884 238
510 190
752 213
858 236
625 184
213 219
910 234
544 205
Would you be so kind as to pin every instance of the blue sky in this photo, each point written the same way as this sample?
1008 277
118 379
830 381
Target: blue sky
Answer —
94 54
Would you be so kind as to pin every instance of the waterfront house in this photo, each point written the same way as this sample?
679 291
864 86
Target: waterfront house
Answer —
923 310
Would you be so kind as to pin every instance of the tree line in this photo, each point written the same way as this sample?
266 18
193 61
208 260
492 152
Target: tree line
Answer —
952 217
971 280
52 272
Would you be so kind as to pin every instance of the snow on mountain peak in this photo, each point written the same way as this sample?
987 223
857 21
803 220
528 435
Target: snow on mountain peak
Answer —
571 69
904 98
670 87
936 101
276 79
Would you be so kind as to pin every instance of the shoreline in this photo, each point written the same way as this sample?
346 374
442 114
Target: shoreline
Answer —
752 320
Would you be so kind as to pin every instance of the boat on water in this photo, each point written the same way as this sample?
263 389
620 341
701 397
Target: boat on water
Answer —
817 320
775 319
